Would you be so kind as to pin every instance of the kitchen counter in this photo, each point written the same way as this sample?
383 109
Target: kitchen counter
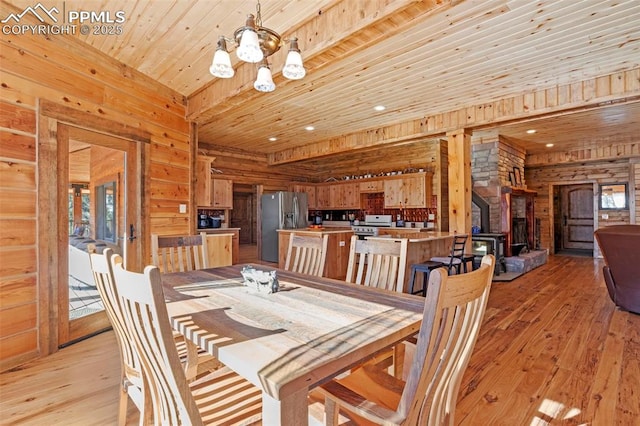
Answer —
338 245
235 242
422 247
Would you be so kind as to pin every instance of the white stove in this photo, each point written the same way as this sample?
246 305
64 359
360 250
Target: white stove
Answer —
371 225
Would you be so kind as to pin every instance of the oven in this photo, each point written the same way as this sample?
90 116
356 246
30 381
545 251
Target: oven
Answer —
371 226
482 244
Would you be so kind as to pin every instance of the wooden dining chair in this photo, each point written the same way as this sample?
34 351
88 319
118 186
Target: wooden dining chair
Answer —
194 361
219 398
378 262
307 254
453 312
131 382
179 253
456 259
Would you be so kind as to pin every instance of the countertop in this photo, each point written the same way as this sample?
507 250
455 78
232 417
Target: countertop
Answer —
218 230
422 236
324 230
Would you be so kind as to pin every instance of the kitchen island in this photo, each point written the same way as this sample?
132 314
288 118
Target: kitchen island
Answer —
422 246
235 243
337 248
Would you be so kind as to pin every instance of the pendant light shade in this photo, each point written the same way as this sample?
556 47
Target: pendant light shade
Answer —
264 82
249 48
221 66
293 68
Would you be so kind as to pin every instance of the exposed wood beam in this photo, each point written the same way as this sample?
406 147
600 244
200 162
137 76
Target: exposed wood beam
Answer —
560 99
331 34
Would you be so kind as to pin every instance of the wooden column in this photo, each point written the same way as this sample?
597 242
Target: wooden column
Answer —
459 142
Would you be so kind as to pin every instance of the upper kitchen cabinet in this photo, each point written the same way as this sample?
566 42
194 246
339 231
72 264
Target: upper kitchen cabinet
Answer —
310 190
408 191
217 193
222 193
323 197
371 186
344 196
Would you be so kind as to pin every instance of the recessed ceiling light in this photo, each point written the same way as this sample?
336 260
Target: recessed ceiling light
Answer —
309 128
379 107
549 145
531 131
273 139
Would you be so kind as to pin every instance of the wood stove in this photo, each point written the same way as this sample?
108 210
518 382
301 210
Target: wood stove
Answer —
482 244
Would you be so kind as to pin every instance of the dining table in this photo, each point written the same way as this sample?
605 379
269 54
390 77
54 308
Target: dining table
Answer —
292 340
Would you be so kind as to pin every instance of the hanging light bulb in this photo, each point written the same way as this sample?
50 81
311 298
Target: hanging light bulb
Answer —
249 48
293 68
221 65
264 81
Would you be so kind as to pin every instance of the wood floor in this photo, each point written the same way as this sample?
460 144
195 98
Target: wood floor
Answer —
553 350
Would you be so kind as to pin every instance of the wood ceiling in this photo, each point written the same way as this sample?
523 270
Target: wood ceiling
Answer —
418 58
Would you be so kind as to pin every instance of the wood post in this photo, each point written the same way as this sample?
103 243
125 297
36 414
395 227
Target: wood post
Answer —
459 173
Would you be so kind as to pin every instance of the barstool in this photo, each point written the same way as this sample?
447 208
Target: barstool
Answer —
425 268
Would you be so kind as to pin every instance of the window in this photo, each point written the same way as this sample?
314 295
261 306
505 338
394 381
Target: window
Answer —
106 212
613 196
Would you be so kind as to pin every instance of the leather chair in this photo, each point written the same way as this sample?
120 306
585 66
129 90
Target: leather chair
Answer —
620 245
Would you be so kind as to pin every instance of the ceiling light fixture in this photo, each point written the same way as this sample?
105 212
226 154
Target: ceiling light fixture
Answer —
255 44
532 131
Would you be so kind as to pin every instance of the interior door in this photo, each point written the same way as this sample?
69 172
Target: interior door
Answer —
577 216
102 161
243 216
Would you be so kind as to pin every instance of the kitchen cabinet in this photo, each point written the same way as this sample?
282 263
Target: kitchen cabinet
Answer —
222 193
203 181
372 186
408 191
217 193
323 197
344 196
310 190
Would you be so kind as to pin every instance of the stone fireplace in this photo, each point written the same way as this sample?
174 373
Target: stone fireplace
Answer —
501 202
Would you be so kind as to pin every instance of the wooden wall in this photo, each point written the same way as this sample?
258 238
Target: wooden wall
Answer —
64 71
542 178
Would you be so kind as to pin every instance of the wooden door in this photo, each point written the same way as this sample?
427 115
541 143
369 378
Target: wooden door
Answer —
108 159
577 216
243 216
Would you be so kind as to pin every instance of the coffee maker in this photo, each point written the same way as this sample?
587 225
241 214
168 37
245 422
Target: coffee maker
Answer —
203 221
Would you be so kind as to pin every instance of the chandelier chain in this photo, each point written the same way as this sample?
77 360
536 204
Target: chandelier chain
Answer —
258 15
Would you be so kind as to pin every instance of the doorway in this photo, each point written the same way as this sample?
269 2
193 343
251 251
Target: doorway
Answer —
574 219
244 213
123 188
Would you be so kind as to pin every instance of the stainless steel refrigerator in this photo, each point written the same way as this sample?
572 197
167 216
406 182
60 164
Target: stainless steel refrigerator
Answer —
281 210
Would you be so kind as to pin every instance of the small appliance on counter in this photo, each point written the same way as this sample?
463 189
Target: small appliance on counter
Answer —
203 221
215 221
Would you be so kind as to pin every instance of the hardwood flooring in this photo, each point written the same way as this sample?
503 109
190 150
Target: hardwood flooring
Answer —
553 350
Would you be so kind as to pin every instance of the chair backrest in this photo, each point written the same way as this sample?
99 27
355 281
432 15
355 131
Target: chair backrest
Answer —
453 312
179 253
457 249
307 254
378 262
101 266
142 301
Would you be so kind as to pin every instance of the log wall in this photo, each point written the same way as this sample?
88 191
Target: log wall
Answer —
67 72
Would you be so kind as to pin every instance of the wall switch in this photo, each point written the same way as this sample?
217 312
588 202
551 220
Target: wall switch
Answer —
605 215
182 208
342 243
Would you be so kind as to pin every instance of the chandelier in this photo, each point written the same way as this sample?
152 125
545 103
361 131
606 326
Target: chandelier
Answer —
255 44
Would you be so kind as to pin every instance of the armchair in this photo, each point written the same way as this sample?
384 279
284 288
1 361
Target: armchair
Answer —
620 245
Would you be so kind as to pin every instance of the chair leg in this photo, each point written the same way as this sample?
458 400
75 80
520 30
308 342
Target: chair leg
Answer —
122 405
412 280
330 412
